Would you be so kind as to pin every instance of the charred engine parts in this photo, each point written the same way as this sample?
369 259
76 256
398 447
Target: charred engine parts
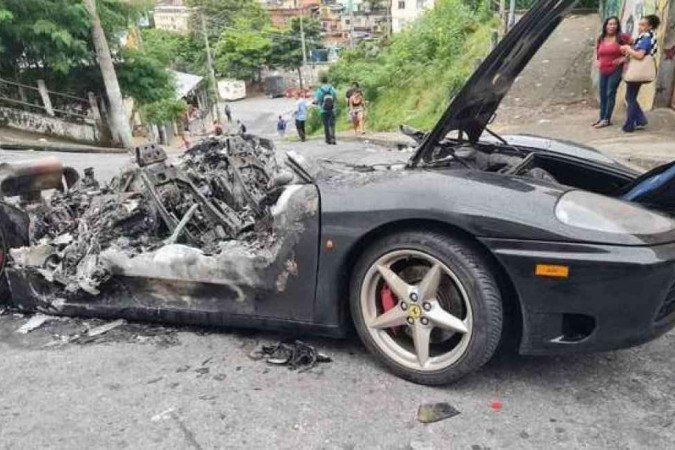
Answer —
219 190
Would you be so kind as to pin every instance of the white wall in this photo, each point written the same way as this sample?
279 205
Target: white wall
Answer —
403 12
86 132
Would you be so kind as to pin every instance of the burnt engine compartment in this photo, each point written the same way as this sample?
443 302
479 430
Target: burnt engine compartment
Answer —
517 161
220 193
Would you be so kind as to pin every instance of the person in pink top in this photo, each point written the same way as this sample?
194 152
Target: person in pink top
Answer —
610 62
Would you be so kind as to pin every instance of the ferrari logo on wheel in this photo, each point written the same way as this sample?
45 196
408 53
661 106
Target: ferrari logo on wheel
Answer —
415 311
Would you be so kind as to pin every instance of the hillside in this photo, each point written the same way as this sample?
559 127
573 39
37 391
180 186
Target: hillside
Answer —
412 78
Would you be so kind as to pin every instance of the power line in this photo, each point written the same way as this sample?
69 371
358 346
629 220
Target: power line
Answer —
271 34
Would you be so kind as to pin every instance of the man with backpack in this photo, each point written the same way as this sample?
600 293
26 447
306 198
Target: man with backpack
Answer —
326 98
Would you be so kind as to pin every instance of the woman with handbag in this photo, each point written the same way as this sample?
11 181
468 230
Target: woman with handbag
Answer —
641 69
610 62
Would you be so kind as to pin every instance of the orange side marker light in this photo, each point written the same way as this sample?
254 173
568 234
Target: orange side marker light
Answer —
552 270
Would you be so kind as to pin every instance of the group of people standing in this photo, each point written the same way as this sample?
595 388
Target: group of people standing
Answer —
614 52
325 98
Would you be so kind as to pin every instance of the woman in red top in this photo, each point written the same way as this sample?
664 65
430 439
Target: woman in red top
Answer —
610 62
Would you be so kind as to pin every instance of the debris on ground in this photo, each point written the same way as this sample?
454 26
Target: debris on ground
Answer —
118 331
93 332
34 322
220 190
496 405
435 412
164 415
296 355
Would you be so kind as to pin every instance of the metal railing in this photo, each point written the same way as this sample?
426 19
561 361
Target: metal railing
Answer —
39 99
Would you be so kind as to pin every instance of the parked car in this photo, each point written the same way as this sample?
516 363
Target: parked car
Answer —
275 86
474 242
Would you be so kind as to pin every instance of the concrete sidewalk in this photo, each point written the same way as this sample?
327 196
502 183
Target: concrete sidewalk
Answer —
11 139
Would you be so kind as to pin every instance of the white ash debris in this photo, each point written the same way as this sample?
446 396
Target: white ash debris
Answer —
157 218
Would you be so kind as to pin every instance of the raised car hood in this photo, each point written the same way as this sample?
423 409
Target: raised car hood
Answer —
476 103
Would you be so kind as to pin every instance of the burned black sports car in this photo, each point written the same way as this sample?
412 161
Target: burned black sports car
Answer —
473 242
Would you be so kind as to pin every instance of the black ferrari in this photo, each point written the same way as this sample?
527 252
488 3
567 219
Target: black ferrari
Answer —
480 239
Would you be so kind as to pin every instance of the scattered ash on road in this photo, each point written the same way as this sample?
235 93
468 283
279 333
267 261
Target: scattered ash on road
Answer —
59 332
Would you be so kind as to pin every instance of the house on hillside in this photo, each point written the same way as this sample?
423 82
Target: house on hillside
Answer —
662 92
172 15
365 24
403 12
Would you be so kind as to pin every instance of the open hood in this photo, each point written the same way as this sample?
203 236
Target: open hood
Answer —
471 110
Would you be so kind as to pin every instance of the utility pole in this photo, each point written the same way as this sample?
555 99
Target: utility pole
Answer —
512 14
304 49
389 4
118 116
503 18
302 38
209 62
351 23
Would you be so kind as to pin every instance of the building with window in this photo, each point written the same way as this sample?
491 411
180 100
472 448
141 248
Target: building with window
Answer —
171 15
404 12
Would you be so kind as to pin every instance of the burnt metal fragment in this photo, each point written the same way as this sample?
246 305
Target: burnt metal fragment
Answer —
295 355
435 412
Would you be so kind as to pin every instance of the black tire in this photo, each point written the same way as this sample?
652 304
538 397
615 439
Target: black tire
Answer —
482 290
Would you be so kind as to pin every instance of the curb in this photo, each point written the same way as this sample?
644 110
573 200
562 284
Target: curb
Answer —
62 149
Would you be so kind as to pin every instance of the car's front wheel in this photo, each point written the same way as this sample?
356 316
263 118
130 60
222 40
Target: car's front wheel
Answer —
427 306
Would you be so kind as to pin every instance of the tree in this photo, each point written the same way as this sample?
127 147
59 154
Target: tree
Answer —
118 116
287 44
54 40
221 14
286 51
242 51
42 33
182 52
54 36
163 111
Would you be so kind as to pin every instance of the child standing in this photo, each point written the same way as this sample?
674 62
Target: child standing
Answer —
281 127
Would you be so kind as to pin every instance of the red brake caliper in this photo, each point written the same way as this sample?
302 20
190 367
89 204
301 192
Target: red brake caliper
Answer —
388 302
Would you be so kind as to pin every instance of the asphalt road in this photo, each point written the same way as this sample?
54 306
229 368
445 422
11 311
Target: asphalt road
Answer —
143 387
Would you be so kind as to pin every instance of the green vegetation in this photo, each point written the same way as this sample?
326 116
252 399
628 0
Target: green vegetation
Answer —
51 40
181 52
222 14
163 111
286 50
245 48
242 51
412 79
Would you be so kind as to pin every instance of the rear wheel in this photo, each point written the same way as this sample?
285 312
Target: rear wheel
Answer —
427 306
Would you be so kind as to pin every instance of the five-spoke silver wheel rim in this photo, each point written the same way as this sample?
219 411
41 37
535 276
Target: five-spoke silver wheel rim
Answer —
404 332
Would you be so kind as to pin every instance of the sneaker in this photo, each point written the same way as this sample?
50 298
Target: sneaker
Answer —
602 124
